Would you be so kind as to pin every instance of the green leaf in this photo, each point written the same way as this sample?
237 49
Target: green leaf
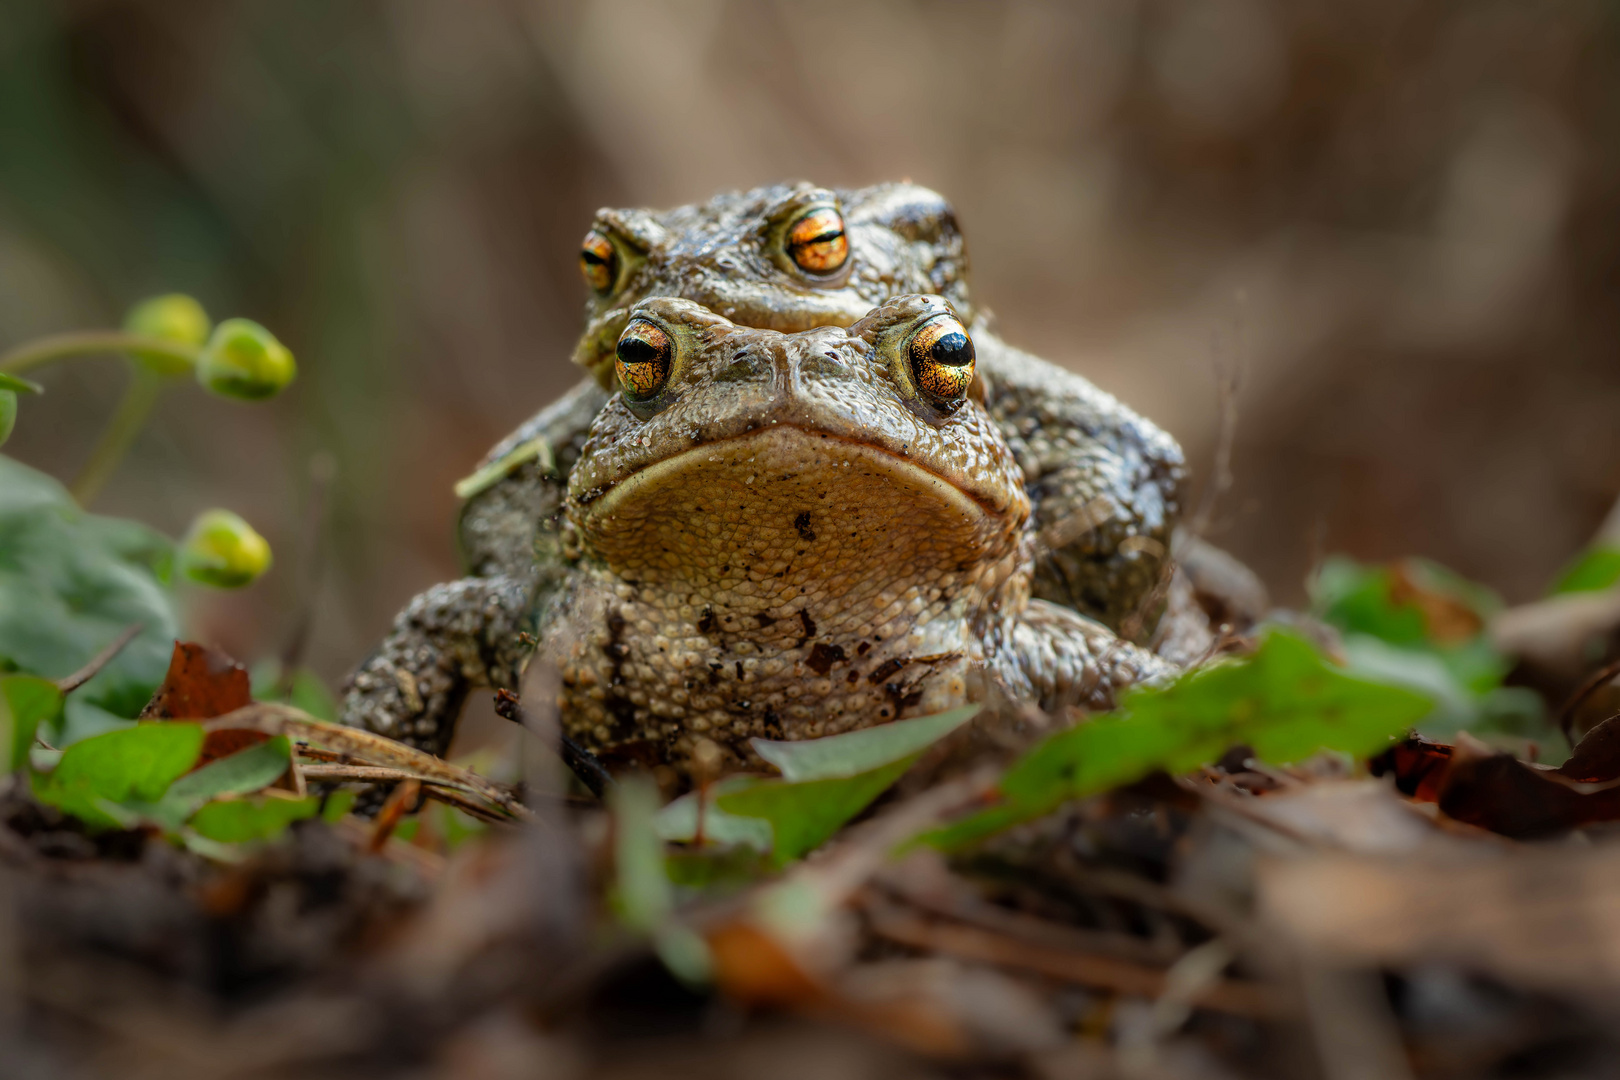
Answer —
856 752
1596 569
70 582
1285 701
25 702
678 821
338 804
1366 601
19 385
236 821
643 896
826 782
806 814
135 765
245 771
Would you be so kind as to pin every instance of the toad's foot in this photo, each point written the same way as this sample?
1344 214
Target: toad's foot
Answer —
1056 657
450 639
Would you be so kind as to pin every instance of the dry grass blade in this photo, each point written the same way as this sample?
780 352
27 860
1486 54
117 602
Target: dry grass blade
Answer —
365 747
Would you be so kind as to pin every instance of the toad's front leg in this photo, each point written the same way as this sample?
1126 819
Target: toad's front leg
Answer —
1106 485
1056 657
451 639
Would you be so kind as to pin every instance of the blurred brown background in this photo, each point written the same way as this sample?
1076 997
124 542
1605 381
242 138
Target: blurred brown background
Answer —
1401 219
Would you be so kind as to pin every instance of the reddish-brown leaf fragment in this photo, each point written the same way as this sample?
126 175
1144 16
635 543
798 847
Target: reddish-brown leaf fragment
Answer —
203 683
1497 791
1418 764
1596 759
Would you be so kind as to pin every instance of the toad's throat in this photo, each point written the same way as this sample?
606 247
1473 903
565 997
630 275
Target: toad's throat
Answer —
779 513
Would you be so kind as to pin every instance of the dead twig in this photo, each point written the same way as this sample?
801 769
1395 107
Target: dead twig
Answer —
923 882
369 748
1101 972
377 774
69 683
401 801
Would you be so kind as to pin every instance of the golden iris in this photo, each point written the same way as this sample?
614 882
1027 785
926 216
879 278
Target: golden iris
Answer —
816 243
941 356
645 355
598 261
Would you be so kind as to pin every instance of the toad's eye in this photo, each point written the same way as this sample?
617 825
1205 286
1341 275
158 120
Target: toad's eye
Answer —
816 242
599 262
644 359
941 355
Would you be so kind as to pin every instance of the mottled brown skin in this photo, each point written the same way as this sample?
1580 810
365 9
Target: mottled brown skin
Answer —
740 567
1105 486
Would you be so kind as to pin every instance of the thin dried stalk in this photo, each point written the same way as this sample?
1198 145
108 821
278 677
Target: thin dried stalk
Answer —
369 748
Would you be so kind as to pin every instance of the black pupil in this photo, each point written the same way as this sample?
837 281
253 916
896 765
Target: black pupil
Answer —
592 257
635 350
825 238
954 350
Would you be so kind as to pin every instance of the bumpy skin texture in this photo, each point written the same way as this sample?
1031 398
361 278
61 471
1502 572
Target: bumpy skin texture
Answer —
792 541
1105 486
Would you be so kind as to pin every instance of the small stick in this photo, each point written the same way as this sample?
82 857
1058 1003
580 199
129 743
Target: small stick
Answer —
584 764
1084 969
369 748
69 683
400 801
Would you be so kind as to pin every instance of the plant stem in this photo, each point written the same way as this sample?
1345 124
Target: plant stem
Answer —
126 423
89 343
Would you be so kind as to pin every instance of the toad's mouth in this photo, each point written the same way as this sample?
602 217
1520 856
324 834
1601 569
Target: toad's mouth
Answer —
789 446
783 505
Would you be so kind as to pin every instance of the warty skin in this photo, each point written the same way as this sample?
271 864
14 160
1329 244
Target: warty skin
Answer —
1104 486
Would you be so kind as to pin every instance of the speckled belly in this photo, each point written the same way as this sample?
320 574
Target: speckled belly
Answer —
784 585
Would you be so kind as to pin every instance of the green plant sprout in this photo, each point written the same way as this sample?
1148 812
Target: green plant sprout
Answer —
164 337
73 581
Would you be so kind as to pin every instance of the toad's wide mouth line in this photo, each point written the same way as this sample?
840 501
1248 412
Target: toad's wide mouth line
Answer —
605 500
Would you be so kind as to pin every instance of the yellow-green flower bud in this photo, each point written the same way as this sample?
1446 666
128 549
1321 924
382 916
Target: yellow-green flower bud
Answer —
222 550
175 317
244 360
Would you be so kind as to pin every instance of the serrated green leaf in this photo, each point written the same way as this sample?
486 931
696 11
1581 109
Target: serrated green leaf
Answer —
855 752
236 821
1595 569
1285 701
135 765
26 701
70 582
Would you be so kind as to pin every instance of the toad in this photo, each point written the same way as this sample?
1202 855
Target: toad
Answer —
1063 497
